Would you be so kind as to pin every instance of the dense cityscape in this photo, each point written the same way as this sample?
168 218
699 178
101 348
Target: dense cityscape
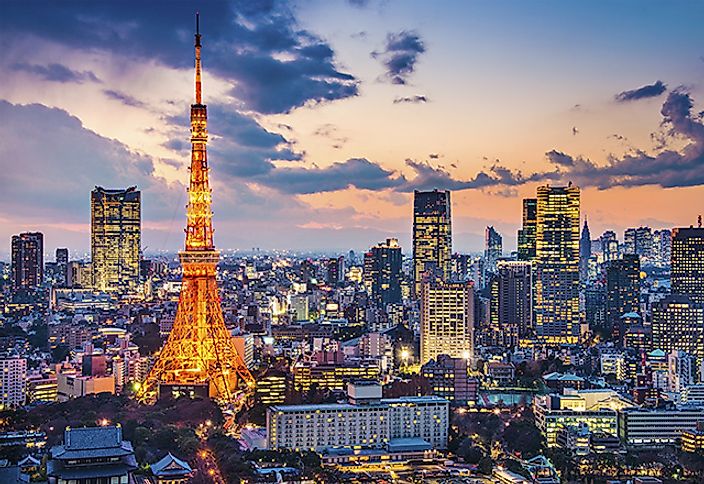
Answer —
576 357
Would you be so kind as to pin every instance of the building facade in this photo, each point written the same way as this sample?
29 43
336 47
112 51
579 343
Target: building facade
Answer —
678 324
622 290
526 234
369 422
687 267
13 382
447 320
432 235
27 260
382 273
115 238
557 311
511 312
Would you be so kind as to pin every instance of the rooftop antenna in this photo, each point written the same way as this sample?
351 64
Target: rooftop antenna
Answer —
198 82
699 220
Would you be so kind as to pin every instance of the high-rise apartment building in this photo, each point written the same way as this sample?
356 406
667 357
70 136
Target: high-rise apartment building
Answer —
13 381
115 238
493 248
382 273
622 290
511 310
557 314
432 235
27 260
446 319
678 324
687 266
526 234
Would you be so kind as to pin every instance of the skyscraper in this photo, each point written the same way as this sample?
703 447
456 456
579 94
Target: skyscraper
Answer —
446 319
687 266
526 235
639 241
200 356
115 238
678 324
27 260
432 235
557 315
493 248
382 273
512 302
662 247
585 251
622 291
609 246
62 264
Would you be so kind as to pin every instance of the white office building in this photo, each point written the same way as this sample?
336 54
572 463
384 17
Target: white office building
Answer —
657 427
368 421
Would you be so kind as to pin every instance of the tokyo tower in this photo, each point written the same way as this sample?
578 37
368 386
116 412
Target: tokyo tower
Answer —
199 357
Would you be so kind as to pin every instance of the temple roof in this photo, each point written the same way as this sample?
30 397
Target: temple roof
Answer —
169 465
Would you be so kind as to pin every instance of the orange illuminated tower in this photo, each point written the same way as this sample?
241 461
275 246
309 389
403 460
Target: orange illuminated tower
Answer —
199 356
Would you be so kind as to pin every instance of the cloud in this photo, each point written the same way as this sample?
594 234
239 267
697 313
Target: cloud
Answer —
125 99
57 174
272 63
651 90
355 172
428 177
418 99
400 55
56 73
666 168
240 144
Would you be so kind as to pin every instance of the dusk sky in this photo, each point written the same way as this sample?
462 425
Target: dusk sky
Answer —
324 116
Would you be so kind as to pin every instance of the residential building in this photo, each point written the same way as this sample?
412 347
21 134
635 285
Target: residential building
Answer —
13 381
447 320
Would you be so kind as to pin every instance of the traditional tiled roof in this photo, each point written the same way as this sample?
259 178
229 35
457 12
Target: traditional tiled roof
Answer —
92 442
170 465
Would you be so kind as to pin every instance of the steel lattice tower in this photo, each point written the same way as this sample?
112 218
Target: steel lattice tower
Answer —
200 350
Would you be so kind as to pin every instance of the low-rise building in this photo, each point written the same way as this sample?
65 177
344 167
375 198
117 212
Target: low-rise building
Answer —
72 385
449 378
597 409
655 427
368 421
693 440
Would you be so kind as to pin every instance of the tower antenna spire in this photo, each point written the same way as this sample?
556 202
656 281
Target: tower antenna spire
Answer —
198 81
